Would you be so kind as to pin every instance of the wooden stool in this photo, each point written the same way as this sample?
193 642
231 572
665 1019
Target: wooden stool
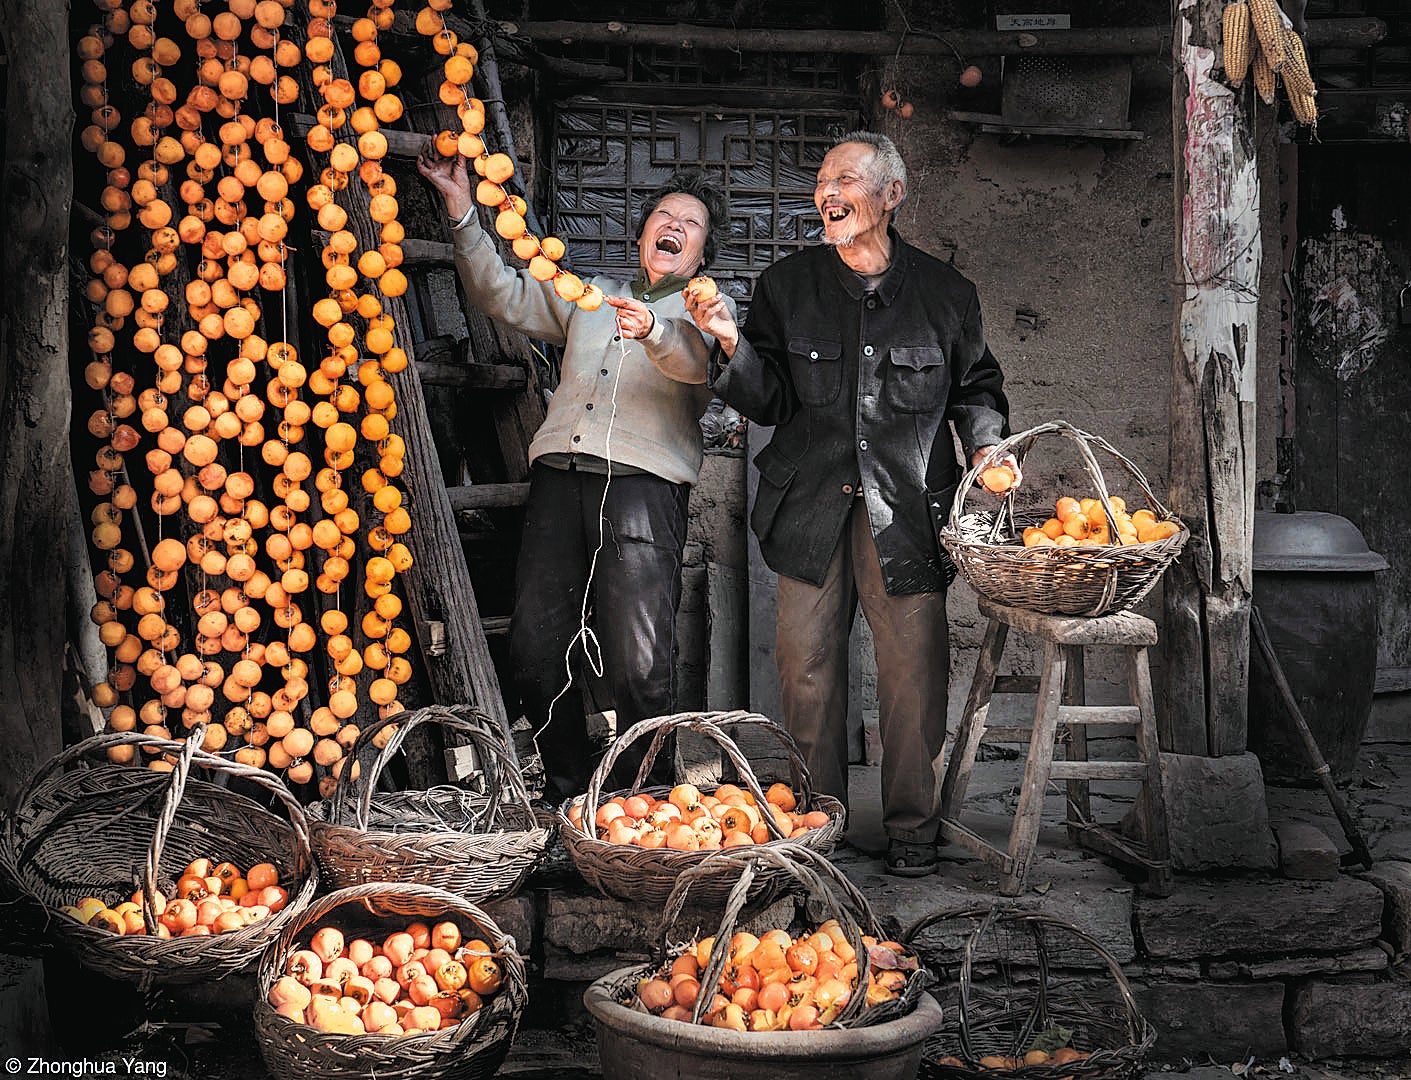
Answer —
1060 713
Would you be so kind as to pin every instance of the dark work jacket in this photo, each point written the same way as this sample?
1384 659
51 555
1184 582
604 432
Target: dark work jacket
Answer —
860 384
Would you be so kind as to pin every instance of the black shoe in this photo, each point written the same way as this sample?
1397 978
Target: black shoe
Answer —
906 859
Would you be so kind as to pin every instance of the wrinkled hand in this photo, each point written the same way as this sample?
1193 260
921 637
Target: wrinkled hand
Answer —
713 317
634 318
1004 459
449 176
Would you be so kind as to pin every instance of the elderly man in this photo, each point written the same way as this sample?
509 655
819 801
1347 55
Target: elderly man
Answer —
612 468
860 352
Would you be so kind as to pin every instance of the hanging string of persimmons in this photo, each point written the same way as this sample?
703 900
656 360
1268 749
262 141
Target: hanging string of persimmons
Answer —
267 580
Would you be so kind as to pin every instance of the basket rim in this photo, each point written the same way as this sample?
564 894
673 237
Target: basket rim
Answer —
1139 1028
923 1020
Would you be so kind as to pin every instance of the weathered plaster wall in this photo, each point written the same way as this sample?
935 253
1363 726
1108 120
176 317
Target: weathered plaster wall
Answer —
1070 245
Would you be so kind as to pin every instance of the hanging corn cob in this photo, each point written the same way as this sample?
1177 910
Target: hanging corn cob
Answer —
1235 38
1258 38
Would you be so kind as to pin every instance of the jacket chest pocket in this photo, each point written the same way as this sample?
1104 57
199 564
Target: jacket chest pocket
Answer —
916 378
817 369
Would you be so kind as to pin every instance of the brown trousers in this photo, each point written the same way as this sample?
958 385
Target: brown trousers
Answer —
913 667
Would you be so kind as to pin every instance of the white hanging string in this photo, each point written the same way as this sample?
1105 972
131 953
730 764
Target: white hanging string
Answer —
591 646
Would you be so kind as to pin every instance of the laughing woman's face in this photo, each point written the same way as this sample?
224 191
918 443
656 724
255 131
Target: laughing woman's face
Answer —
673 237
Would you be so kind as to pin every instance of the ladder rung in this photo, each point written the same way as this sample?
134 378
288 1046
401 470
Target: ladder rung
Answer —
495 624
1097 770
487 496
1100 715
1016 684
420 253
472 376
1008 733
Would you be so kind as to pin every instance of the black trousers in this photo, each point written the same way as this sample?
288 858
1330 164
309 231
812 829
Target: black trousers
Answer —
636 586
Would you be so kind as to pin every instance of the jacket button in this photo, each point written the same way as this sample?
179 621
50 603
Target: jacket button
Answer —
603 372
871 304
578 438
589 406
867 350
813 356
616 337
646 298
847 489
862 444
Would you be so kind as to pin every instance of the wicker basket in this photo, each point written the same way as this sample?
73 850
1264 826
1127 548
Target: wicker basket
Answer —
1098 1013
472 1050
479 845
111 829
879 1043
648 875
1085 579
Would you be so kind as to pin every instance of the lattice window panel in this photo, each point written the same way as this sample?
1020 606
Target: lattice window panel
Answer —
609 157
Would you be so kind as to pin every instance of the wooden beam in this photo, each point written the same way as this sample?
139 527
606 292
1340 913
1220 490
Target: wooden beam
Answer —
1109 41
1218 253
488 496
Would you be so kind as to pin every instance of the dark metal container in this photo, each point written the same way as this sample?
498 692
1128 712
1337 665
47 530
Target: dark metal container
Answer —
1314 584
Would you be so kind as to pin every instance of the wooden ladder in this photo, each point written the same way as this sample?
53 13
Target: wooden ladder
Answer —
485 357
1061 713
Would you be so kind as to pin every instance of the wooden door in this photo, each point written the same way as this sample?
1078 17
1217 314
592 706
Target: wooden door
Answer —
1352 379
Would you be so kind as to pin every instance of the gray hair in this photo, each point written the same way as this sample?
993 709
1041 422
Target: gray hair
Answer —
887 164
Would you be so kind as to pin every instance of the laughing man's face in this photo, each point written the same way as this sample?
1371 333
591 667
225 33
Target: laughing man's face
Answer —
673 236
850 201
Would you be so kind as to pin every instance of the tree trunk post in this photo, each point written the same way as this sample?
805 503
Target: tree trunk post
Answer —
1212 395
38 501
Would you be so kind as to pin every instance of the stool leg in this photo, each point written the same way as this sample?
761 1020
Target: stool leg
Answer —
972 724
1025 832
1152 811
1080 809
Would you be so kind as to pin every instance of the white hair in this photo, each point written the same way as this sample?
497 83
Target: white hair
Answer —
887 164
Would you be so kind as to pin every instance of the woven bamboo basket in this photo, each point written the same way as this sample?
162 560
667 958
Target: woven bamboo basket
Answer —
1085 579
638 874
480 845
1031 1001
882 1041
474 1049
108 830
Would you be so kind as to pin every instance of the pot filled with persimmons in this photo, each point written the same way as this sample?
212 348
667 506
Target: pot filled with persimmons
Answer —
824 1000
153 876
389 980
1093 555
1037 999
634 844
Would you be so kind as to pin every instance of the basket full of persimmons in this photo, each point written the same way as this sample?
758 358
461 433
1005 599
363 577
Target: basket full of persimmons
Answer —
389 979
1093 555
151 875
831 998
633 844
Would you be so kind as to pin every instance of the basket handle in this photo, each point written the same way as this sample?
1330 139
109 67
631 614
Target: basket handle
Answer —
1020 445
501 773
712 726
817 877
189 753
1036 922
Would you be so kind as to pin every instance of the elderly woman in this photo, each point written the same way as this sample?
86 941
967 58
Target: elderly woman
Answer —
612 467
